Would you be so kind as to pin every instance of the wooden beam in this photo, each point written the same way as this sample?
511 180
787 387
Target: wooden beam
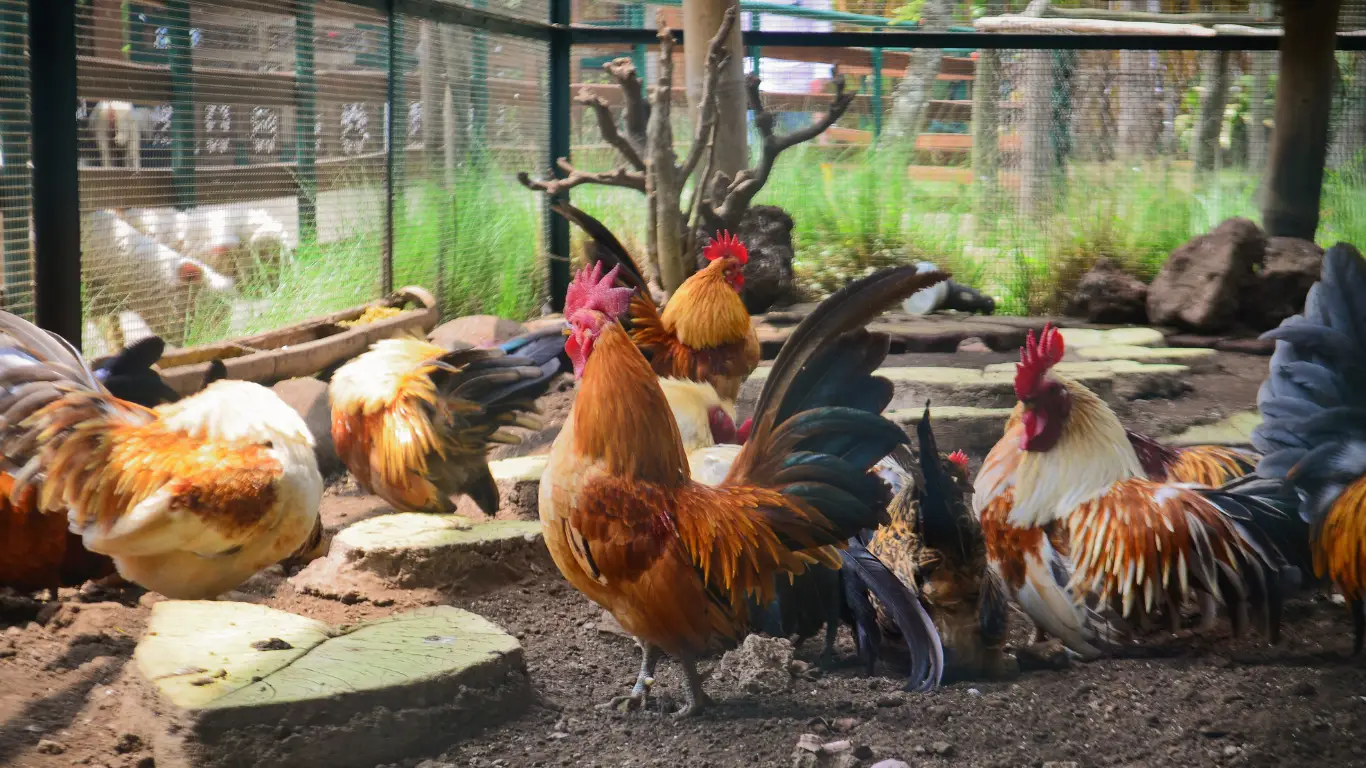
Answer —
1101 14
1304 101
1016 23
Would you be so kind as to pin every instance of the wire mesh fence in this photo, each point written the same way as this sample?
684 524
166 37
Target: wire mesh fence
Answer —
247 164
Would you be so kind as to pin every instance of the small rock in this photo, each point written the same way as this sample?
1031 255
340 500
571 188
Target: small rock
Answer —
48 612
759 665
889 702
1061 764
942 749
128 742
8 653
308 397
1231 751
475 331
809 742
891 764
383 602
1108 294
273 644
146 762
50 747
974 692
845 724
836 747
973 344
1304 689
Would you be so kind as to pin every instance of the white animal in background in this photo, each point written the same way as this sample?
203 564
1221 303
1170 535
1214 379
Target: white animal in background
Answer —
232 240
126 270
119 124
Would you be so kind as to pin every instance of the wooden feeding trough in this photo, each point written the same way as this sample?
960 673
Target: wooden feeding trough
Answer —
305 348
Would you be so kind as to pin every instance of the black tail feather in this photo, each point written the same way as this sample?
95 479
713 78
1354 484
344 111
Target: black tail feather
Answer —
607 249
865 573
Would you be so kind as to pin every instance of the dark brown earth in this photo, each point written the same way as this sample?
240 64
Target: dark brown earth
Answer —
1208 701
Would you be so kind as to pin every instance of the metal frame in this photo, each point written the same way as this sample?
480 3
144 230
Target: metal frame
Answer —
56 183
52 67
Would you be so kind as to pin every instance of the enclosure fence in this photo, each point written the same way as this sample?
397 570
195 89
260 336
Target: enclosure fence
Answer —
233 166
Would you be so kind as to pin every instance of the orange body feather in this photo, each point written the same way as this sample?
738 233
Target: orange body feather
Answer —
675 562
704 334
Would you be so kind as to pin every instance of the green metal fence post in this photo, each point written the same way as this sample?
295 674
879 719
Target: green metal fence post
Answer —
557 226
875 99
56 183
753 51
305 122
14 197
393 150
182 102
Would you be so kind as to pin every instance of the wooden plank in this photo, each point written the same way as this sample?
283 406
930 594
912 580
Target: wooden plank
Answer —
955 143
217 184
837 134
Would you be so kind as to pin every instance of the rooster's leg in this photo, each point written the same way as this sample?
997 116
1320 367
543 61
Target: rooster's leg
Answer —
698 699
1209 613
640 692
832 629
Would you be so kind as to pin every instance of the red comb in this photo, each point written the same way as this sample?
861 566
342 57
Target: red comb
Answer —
592 290
190 272
726 244
1036 358
959 458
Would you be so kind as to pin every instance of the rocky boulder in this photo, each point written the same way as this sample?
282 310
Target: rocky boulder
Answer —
308 397
1279 289
1200 285
766 231
1108 294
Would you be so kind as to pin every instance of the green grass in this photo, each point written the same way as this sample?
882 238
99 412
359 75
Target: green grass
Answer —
479 246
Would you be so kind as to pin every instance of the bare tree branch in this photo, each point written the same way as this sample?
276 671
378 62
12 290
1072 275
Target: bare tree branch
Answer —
637 110
747 183
620 177
717 58
607 126
662 170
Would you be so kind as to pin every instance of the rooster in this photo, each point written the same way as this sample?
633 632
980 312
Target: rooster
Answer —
677 562
934 545
1208 465
705 332
189 499
1069 512
1313 430
36 549
413 421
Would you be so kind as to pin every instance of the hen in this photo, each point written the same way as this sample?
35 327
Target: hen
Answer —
413 421
677 562
1069 512
1313 430
705 332
189 499
934 545
36 550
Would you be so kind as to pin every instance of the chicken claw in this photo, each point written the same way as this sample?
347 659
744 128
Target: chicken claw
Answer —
698 699
640 693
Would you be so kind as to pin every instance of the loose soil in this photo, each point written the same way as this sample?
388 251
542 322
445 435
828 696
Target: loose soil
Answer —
1190 701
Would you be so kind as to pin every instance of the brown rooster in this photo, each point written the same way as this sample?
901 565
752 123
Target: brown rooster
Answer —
37 551
413 421
1208 465
934 545
704 333
1066 504
677 562
189 499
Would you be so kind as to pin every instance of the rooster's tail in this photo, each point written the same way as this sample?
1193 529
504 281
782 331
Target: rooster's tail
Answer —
866 578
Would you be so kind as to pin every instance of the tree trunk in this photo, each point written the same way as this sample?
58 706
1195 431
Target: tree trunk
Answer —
986 120
432 89
1212 106
1137 127
1304 102
1257 112
911 99
701 20
1348 135
1036 150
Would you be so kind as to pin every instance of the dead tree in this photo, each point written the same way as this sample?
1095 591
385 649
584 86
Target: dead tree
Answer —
646 146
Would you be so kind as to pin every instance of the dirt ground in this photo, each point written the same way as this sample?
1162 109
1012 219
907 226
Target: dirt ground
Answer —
1207 701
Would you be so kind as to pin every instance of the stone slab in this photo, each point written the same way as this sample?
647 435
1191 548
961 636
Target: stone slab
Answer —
236 684
413 550
519 484
1235 430
973 430
932 333
1077 338
1198 359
